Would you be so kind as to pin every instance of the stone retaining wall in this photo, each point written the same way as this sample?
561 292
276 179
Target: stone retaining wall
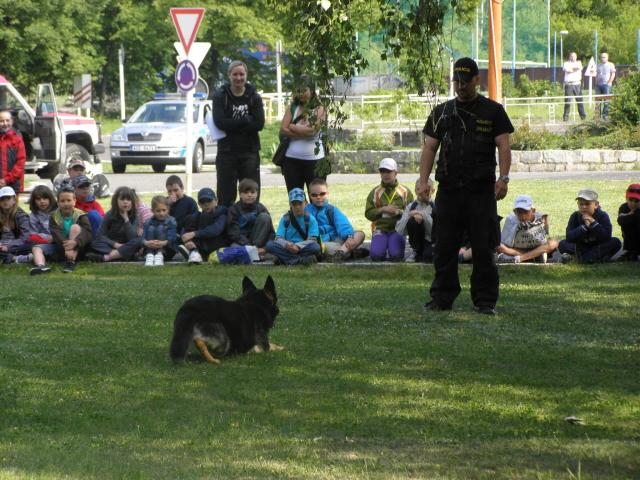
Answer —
521 161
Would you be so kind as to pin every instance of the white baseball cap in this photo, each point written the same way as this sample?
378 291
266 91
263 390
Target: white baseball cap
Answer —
524 202
388 164
7 192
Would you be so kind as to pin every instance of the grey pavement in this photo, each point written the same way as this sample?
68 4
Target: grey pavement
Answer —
154 182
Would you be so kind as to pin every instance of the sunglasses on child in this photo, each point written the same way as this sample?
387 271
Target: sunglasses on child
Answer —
319 194
633 190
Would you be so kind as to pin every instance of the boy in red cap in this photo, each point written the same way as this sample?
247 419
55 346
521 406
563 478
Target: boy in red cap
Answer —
629 221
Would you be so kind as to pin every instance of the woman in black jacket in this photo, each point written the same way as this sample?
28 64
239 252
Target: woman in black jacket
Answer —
238 110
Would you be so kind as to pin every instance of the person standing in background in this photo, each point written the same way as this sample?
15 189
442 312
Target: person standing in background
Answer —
573 85
604 80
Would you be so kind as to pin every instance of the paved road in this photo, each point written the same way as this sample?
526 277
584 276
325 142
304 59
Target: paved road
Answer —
146 182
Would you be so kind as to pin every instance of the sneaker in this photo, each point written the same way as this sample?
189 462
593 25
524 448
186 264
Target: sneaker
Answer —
194 257
504 258
158 260
93 257
184 251
488 310
412 258
69 266
542 258
24 258
566 258
148 262
433 306
308 260
565 119
38 269
337 257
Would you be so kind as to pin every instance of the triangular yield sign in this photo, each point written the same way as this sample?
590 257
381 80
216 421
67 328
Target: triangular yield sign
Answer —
187 22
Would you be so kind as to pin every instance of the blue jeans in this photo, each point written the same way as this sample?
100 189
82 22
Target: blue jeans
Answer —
289 258
604 90
159 232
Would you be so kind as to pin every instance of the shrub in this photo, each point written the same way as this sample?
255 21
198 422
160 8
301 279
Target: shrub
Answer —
625 106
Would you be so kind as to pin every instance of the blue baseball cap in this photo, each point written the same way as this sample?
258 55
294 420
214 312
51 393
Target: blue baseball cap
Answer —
297 195
206 194
81 180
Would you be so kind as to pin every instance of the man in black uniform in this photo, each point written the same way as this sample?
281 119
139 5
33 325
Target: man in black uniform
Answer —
467 129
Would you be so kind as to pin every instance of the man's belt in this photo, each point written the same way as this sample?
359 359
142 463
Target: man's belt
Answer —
572 83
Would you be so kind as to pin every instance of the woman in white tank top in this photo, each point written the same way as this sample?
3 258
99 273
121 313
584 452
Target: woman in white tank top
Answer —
301 124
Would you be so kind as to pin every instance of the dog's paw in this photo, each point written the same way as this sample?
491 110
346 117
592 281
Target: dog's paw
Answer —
273 346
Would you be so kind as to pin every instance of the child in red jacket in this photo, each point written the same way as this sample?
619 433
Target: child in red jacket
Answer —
87 202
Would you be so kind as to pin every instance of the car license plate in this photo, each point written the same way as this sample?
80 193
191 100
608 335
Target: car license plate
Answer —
143 148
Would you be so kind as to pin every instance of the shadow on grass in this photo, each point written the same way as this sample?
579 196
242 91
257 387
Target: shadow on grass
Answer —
368 386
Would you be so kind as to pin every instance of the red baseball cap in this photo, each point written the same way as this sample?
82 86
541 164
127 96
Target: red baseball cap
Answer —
633 191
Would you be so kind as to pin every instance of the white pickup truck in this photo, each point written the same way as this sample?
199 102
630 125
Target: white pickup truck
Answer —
52 139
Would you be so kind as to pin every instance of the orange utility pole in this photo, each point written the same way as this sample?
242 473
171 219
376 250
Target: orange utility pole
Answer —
495 50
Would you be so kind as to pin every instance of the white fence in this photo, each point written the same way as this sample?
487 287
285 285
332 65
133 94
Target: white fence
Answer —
411 111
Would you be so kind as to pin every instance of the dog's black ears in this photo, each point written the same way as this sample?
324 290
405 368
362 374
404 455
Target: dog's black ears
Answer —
247 285
269 285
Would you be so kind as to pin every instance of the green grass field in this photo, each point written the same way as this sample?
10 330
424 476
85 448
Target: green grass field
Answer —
367 387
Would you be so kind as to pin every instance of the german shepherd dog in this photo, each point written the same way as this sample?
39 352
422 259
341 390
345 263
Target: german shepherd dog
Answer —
220 327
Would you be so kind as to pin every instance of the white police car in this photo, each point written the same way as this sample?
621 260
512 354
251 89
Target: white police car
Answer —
156 134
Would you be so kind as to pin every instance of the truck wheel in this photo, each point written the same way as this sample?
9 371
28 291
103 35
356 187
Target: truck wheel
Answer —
118 167
159 167
75 151
198 158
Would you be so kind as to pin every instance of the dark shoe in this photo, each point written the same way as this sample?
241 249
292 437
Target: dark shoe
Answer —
583 118
37 270
360 253
336 257
69 266
566 258
434 307
308 260
565 119
184 251
488 310
93 257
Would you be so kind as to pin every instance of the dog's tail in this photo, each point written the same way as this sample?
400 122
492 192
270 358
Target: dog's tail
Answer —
182 336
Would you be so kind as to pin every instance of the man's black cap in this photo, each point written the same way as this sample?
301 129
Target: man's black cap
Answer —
464 70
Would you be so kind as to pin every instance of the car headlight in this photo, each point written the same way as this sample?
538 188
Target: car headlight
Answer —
117 137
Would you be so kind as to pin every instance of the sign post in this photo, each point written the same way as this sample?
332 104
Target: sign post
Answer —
82 92
591 72
187 22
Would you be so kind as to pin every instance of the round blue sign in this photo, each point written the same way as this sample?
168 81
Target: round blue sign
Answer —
186 75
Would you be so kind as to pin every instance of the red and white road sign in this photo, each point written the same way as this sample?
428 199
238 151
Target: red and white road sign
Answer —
187 22
82 91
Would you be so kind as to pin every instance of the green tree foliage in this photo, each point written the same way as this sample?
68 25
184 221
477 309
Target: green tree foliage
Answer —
55 40
625 106
616 22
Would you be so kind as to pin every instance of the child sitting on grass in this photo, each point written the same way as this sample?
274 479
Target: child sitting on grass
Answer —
249 221
204 231
159 233
589 232
385 205
418 222
524 235
15 229
338 236
42 204
297 235
71 233
118 237
87 202
629 221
